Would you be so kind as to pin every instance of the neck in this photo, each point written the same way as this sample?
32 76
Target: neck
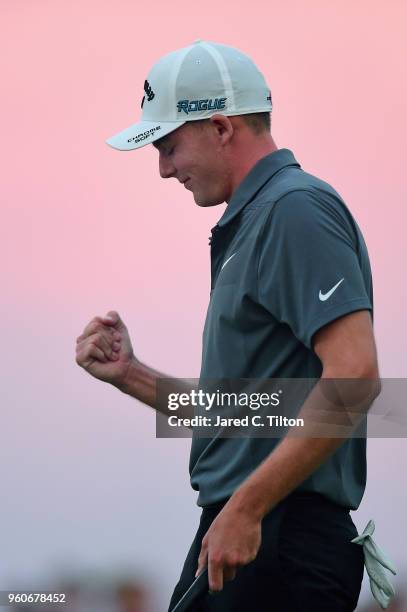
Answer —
249 158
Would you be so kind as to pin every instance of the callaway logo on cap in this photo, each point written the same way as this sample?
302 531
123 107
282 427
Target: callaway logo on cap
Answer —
193 83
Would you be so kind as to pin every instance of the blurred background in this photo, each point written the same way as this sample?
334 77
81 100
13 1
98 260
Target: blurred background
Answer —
92 502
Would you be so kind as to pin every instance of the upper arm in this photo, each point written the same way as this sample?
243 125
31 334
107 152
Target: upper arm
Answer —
347 346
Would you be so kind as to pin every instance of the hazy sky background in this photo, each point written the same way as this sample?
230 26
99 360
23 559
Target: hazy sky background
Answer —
85 229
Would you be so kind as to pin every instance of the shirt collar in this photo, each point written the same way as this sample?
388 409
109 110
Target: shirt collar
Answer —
256 178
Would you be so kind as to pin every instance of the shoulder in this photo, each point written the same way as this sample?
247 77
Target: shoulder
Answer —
310 200
311 206
308 219
292 191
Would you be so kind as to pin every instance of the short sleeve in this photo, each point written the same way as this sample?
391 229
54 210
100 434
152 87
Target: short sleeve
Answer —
310 267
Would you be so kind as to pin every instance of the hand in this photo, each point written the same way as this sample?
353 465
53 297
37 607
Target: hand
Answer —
104 349
232 541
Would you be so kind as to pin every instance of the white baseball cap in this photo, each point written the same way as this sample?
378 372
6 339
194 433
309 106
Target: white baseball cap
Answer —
194 83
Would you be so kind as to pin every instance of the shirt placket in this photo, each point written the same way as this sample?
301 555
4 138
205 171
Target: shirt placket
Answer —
218 242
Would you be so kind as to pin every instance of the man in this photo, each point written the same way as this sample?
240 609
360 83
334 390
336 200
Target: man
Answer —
291 298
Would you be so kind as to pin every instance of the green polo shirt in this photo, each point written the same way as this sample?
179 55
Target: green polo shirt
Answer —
285 240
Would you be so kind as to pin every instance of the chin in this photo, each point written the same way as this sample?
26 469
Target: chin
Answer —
207 201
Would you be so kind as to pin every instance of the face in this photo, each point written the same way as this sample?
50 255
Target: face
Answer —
192 154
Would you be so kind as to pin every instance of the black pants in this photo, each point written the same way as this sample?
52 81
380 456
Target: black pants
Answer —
306 562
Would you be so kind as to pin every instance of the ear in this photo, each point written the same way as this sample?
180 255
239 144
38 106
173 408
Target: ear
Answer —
223 128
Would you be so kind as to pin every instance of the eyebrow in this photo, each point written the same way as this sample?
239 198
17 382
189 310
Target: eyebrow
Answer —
161 142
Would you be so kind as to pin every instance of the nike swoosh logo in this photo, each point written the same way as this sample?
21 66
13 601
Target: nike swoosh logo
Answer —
228 259
325 296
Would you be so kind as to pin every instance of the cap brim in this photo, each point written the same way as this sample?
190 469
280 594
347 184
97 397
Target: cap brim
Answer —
141 134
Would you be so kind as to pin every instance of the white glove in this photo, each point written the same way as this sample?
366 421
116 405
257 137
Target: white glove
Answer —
375 560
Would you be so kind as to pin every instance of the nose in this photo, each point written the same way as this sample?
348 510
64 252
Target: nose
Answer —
167 168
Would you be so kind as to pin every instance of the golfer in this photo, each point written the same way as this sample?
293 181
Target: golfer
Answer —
291 297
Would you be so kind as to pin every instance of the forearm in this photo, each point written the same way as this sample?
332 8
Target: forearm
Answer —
299 454
286 468
141 383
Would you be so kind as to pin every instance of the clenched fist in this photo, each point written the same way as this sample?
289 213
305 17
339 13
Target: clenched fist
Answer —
104 349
